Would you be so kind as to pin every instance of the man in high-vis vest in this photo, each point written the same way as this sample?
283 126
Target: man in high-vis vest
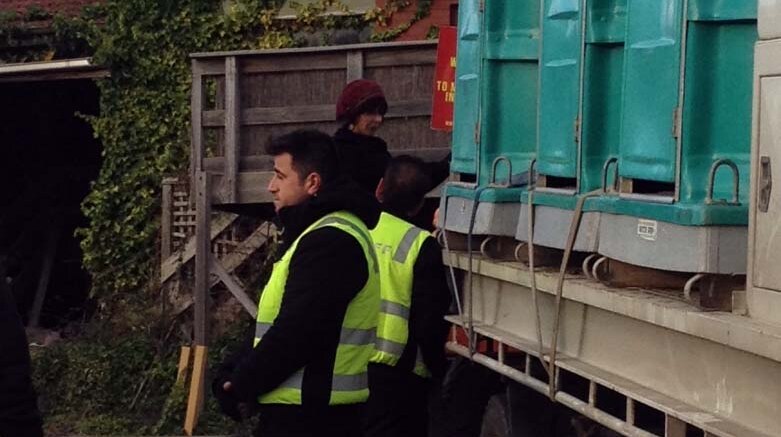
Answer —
317 316
411 332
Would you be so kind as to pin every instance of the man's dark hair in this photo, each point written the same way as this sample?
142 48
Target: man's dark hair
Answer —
406 183
312 152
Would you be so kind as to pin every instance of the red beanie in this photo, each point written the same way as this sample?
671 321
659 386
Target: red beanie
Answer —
355 96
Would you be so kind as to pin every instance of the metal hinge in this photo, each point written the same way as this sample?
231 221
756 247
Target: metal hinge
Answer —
477 133
577 130
677 116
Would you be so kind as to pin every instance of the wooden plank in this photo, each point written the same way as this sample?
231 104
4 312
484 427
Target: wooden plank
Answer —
165 221
235 287
50 250
311 113
389 58
195 399
252 163
51 76
202 255
184 364
249 246
354 65
232 128
620 275
211 67
170 265
247 163
294 62
253 187
261 53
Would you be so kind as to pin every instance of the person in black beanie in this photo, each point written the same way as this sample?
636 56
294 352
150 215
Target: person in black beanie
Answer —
19 415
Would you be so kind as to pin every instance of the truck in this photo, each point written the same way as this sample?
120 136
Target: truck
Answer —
610 226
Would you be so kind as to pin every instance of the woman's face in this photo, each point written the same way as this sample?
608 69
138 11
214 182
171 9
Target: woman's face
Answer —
367 124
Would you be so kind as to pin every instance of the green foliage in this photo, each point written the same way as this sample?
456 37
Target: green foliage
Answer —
144 105
89 385
36 13
119 378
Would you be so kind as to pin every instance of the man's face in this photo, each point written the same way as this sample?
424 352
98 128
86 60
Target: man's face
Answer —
367 123
287 187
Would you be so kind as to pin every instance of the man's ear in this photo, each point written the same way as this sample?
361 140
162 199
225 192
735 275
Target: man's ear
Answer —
379 192
313 184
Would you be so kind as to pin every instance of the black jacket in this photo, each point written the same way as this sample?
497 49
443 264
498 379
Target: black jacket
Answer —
326 272
19 416
364 159
361 157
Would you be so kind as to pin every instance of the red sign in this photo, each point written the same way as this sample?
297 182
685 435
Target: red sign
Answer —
444 80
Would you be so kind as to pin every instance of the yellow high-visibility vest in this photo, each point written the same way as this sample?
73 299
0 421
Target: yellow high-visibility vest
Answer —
356 343
397 244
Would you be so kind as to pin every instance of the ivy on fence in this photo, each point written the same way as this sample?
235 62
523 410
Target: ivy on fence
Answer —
144 105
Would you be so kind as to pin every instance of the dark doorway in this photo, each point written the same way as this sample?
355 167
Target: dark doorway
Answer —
48 157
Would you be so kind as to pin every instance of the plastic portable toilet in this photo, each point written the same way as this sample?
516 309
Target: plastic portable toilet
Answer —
579 117
683 155
494 130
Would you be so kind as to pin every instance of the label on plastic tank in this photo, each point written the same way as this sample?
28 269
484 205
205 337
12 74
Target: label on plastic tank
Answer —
646 229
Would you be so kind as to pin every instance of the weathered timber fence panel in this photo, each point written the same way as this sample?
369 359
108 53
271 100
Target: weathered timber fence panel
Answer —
241 99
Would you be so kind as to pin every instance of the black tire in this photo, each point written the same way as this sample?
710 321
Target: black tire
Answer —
496 421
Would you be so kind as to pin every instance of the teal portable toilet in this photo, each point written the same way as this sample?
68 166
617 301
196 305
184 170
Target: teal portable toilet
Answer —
579 117
683 155
494 130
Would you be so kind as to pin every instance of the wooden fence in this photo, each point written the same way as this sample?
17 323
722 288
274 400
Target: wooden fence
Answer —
241 99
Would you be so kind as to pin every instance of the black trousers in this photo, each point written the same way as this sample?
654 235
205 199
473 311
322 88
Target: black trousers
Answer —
297 421
398 403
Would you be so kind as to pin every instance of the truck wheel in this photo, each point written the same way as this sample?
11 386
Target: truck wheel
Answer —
496 422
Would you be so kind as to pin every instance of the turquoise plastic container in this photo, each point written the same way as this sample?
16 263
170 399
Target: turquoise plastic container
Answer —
560 83
466 113
496 90
686 117
581 97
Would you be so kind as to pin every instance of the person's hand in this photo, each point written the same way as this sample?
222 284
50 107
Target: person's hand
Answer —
228 404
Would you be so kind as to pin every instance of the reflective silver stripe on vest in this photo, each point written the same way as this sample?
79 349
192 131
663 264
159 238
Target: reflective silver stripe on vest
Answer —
406 244
395 309
389 346
359 337
419 357
295 381
261 328
359 231
356 382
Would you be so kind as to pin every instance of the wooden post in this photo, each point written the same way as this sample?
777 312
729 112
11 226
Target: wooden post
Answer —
196 110
674 427
195 400
202 256
53 234
232 129
184 364
200 297
165 219
354 65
